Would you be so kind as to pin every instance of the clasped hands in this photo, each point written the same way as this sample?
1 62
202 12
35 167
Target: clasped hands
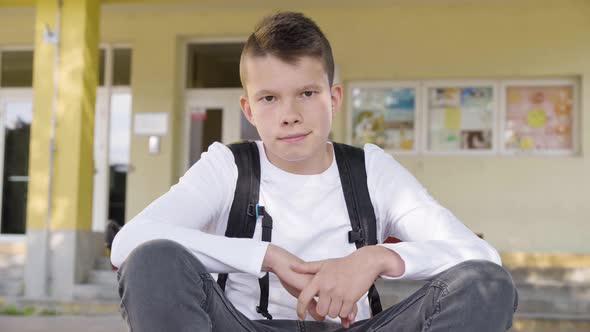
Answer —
331 287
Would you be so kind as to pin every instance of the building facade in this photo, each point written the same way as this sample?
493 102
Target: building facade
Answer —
96 126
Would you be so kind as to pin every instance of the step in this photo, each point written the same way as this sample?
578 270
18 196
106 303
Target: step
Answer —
103 263
11 287
549 325
16 272
103 277
551 275
12 258
558 302
92 307
96 292
572 301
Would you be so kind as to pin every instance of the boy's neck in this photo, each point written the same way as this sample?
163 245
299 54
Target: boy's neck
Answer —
316 164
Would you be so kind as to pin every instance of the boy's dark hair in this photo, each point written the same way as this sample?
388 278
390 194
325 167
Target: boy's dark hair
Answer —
288 36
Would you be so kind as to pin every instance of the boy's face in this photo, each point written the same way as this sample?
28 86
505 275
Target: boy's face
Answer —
291 106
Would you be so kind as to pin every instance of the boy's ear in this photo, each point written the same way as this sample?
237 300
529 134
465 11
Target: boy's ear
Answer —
336 93
245 105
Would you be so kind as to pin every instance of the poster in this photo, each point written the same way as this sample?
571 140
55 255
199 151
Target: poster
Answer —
539 118
460 118
385 116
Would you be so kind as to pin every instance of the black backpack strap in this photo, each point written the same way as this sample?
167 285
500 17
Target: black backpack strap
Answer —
245 210
242 216
262 308
353 176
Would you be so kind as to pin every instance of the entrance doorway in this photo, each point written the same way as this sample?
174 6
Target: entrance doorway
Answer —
112 136
212 95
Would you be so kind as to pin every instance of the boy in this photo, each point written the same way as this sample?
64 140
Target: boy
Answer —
318 281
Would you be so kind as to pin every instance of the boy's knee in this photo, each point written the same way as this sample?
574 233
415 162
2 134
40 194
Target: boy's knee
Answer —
484 281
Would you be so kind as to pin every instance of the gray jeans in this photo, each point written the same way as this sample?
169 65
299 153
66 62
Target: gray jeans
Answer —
163 287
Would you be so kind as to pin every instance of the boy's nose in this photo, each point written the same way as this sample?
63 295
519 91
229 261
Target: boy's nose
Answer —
290 121
290 116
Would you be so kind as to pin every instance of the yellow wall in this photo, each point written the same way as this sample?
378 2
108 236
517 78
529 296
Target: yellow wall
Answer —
17 26
519 203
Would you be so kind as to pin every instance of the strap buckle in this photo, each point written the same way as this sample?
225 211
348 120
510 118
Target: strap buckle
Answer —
355 236
264 313
255 210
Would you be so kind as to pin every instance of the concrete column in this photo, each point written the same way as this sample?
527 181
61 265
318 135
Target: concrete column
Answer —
68 193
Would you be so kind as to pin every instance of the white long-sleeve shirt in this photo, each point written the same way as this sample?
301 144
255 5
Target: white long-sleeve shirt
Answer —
310 220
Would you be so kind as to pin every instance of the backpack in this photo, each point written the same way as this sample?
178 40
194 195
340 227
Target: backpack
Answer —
245 210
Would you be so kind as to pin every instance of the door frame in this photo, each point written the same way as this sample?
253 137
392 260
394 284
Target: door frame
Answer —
100 157
10 94
101 181
226 99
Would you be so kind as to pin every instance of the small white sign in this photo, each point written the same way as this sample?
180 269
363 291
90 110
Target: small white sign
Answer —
150 124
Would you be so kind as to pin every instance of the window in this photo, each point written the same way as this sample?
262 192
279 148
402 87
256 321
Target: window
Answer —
121 66
214 65
16 69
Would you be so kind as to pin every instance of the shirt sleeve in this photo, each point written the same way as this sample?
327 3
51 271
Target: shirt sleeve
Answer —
194 213
433 239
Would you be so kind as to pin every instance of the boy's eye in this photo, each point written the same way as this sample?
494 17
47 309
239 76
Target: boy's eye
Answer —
308 93
268 98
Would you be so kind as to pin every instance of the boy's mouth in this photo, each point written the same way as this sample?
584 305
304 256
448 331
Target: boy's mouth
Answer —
294 137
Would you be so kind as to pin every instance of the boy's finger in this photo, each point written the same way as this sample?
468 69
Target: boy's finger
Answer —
324 303
345 323
313 311
352 315
346 310
304 299
335 308
306 267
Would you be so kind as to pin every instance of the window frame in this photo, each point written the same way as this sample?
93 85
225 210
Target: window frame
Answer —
426 85
381 85
574 83
499 87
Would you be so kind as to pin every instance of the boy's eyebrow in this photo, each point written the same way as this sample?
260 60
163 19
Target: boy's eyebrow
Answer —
263 93
311 87
306 87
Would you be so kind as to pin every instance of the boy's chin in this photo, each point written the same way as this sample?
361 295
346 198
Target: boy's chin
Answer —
292 156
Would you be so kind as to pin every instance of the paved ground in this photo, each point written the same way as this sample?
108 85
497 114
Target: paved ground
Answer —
62 324
114 323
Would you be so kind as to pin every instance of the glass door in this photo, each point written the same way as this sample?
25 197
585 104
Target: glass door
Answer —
213 115
16 115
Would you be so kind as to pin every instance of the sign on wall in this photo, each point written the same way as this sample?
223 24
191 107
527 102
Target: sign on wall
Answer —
150 124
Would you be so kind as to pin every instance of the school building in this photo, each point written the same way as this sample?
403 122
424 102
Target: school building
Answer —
104 104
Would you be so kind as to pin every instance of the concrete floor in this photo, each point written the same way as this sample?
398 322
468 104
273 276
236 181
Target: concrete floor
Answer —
114 323
62 323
